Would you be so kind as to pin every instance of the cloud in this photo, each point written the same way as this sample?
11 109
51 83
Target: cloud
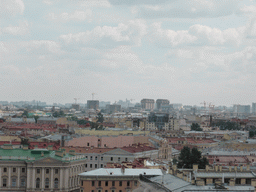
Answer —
189 9
21 29
250 9
107 36
138 2
10 8
75 16
196 35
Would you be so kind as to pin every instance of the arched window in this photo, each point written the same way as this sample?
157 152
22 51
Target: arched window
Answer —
56 183
37 183
47 183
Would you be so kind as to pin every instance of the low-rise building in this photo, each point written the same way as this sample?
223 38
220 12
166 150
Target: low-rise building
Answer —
114 179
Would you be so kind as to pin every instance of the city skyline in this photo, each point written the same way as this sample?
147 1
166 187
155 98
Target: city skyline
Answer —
188 53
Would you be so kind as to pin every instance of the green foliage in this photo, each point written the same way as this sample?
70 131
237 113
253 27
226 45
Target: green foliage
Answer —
36 117
189 157
58 114
196 127
100 118
24 141
72 118
228 125
252 133
82 122
175 161
25 113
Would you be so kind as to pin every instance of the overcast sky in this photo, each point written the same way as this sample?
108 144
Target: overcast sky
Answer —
187 51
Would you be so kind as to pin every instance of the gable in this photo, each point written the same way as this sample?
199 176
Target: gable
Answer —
117 151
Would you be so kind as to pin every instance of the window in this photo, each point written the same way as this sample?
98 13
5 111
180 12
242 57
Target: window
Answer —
120 190
126 159
93 183
106 190
90 165
238 181
101 165
88 144
5 169
99 183
113 190
37 170
99 190
120 183
135 183
118 158
106 183
86 157
111 158
248 181
4 182
13 182
56 183
91 158
38 183
86 165
47 183
47 171
96 158
14 170
56 171
22 182
128 183
23 170
92 190
96 165
101 158
113 183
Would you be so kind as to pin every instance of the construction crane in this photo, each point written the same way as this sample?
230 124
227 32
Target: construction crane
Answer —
204 103
76 100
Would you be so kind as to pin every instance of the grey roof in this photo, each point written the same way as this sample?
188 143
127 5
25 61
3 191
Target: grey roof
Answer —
171 182
117 172
48 119
226 174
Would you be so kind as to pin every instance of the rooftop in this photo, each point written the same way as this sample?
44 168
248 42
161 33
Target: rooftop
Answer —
118 172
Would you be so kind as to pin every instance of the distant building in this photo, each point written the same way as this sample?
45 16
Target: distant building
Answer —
76 107
147 104
254 108
161 102
242 109
113 108
93 104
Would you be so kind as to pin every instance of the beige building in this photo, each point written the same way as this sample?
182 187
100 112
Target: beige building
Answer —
148 104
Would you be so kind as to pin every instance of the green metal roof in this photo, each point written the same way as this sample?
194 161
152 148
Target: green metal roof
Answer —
35 154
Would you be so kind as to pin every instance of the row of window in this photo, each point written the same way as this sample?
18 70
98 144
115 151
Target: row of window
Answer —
23 170
101 158
113 183
47 183
95 166
14 182
47 171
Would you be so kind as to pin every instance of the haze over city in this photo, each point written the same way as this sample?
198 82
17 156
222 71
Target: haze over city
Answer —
187 52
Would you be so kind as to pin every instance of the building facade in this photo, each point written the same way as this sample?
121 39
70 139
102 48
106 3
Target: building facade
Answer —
147 104
93 104
39 170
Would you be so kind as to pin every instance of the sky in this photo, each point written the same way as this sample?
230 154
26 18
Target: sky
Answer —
186 51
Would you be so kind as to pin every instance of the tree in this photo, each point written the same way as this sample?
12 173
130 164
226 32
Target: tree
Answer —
175 161
251 133
36 117
25 113
189 157
100 118
196 127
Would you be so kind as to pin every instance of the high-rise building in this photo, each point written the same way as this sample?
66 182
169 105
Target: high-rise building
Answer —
147 104
93 104
254 108
242 109
161 102
113 108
